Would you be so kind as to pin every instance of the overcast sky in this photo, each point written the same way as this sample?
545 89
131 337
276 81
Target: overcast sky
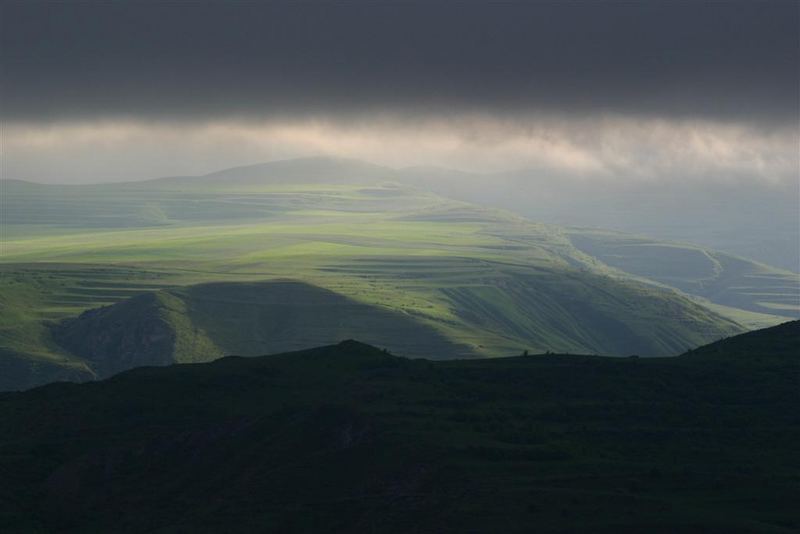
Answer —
637 90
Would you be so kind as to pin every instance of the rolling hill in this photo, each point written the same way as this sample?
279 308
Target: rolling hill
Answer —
482 282
347 438
207 321
720 278
742 218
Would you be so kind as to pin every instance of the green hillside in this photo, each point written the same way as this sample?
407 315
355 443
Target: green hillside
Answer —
347 438
204 322
485 281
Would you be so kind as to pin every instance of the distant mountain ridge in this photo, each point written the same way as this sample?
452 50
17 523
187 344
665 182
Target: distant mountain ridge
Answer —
310 170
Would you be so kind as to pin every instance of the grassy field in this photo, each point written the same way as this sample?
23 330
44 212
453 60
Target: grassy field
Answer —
489 282
347 438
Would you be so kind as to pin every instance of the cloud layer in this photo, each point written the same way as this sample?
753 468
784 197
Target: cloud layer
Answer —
611 149
273 60
614 91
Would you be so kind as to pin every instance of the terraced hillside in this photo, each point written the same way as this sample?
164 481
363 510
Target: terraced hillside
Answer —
723 279
347 438
488 282
35 296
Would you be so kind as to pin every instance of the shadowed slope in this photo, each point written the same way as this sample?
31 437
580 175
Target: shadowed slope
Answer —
346 438
20 371
780 342
207 321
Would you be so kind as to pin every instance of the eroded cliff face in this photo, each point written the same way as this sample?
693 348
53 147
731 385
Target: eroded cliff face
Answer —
114 338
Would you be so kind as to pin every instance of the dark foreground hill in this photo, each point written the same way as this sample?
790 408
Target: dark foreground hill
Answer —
347 438
778 343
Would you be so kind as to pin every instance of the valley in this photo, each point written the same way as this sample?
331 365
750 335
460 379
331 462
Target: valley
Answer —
334 235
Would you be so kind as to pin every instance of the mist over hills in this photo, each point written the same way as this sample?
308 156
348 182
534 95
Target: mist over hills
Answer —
309 170
753 220
719 277
749 219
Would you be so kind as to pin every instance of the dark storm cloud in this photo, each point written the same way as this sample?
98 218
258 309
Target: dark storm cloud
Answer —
85 60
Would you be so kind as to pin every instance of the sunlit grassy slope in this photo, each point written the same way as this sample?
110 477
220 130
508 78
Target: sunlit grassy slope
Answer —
486 281
347 438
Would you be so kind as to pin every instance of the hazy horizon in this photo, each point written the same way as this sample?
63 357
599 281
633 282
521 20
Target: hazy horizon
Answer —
649 92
